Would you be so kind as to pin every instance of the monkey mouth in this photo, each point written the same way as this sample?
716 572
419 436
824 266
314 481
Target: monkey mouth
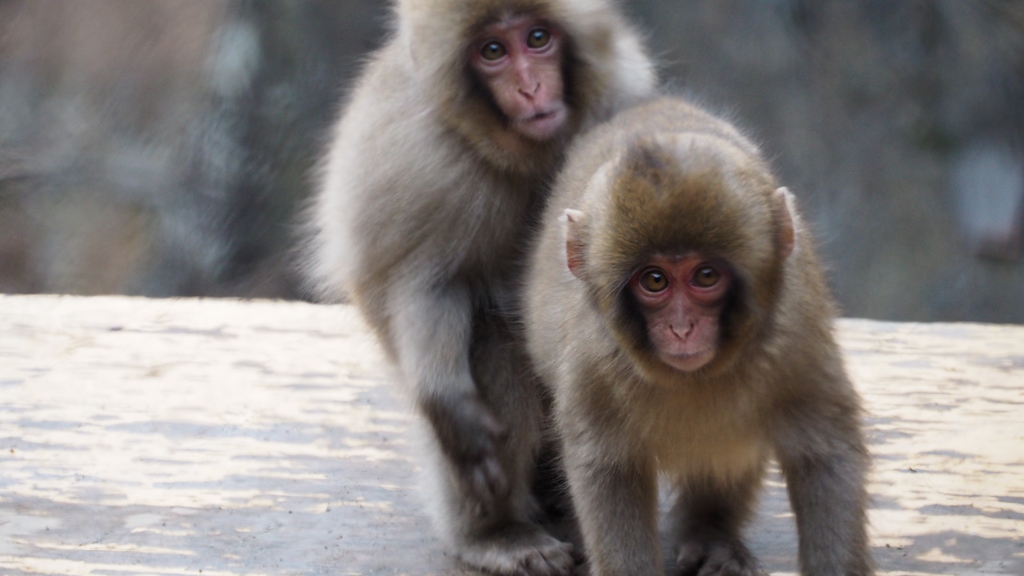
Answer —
688 361
542 125
541 116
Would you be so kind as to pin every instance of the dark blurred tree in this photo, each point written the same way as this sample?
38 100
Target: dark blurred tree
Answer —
899 124
277 71
164 148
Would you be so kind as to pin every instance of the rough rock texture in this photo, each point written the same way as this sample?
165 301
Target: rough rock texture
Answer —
161 147
224 437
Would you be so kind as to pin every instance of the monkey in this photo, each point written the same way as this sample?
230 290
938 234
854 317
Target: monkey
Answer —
676 309
436 174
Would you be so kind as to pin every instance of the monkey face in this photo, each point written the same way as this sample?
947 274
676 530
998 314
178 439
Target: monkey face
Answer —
681 299
519 62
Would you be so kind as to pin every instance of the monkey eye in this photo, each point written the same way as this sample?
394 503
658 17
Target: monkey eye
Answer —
492 51
538 38
653 280
706 276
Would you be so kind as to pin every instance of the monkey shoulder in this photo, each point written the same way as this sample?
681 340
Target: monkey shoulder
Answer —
805 304
801 358
565 331
384 131
394 157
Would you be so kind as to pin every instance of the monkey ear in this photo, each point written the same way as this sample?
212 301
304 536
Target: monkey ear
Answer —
787 208
573 219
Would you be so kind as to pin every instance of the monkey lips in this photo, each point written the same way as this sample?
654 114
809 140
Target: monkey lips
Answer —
542 125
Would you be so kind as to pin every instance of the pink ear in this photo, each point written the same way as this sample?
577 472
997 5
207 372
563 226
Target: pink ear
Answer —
787 232
573 243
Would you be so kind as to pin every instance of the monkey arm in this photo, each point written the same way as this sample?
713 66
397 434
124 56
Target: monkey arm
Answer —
617 507
823 457
614 488
432 328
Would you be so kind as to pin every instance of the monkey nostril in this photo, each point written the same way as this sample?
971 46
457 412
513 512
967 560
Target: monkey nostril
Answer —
685 333
530 92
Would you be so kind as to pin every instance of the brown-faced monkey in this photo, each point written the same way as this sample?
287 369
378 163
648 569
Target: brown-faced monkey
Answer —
439 166
676 308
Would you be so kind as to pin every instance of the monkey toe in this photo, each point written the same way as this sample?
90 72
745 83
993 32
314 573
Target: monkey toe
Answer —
520 550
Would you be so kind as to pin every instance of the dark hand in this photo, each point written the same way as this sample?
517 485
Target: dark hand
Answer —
469 434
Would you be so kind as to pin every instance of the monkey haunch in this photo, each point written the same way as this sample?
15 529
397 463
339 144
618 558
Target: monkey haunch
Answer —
438 168
677 310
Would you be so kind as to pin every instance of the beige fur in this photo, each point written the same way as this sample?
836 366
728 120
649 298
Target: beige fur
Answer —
422 219
666 178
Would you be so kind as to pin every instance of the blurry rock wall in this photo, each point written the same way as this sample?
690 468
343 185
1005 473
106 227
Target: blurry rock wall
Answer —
899 125
163 147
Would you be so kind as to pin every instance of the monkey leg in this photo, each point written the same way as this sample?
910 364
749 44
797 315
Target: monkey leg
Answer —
710 513
506 538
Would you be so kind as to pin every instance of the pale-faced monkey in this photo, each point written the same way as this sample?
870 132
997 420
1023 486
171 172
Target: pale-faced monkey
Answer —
439 166
677 310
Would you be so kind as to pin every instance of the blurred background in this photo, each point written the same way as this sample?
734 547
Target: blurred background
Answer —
165 147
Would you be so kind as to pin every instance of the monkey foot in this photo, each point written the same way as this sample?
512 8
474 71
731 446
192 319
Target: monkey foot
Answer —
520 550
718 558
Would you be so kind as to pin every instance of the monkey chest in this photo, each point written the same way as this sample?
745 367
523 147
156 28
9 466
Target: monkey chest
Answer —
721 440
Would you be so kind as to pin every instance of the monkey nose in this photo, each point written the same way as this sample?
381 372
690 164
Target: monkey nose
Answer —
529 92
682 334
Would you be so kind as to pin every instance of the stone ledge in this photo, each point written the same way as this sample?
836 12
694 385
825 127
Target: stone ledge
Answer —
223 437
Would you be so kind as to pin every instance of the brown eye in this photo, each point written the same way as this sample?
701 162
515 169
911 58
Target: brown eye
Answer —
654 280
538 38
706 277
493 51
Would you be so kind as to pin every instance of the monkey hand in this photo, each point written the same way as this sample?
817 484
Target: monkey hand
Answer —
469 435
716 558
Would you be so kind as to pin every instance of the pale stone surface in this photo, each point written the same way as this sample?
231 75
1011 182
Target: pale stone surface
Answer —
182 437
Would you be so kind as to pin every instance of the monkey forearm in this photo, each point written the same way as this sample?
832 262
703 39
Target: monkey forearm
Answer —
616 504
432 329
828 497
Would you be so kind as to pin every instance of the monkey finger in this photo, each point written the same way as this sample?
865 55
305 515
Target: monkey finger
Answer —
480 490
560 560
728 560
537 564
494 428
728 568
497 481
689 558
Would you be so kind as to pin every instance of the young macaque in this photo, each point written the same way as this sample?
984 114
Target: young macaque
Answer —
439 167
678 313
